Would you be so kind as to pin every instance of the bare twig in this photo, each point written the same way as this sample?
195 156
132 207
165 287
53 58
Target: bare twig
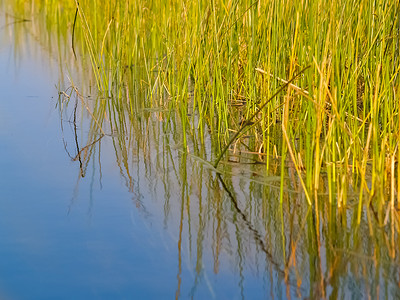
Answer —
73 28
249 120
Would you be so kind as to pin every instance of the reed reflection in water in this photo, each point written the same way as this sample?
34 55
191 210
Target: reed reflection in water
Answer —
232 224
232 233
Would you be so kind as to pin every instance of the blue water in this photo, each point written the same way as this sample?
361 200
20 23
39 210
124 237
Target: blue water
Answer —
172 230
66 237
60 238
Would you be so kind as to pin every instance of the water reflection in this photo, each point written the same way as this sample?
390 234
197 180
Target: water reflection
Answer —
232 235
234 221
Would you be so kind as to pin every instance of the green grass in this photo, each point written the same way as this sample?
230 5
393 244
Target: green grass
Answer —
217 63
173 83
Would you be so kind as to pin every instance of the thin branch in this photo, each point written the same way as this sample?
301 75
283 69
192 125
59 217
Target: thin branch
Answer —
86 147
73 29
249 120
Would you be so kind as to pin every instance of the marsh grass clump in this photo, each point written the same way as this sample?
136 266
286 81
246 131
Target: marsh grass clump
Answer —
217 64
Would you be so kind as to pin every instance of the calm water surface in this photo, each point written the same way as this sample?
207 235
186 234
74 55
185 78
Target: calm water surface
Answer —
61 237
149 220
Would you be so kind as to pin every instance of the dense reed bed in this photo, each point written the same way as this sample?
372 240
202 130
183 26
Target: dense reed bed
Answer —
171 83
219 63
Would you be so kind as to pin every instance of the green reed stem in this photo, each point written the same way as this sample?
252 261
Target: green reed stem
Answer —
249 120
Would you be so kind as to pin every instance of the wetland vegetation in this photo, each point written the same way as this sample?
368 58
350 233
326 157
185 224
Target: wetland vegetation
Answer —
269 129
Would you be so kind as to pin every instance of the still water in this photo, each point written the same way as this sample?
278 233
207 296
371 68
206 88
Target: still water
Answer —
134 215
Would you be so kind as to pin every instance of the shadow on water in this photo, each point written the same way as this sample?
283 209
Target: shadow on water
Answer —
230 227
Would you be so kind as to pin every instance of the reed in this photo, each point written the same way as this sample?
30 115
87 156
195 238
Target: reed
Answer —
333 132
218 63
